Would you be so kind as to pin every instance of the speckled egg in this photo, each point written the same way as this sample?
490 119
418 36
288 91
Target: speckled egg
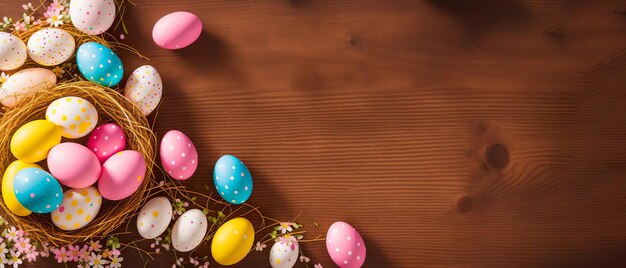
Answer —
154 217
76 116
12 52
178 155
345 245
92 16
24 82
79 208
37 190
106 140
284 252
177 30
144 88
8 193
32 141
51 46
121 175
232 179
189 230
73 165
232 241
99 64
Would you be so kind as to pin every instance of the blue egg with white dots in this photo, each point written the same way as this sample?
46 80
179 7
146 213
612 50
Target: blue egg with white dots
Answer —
99 64
232 179
37 190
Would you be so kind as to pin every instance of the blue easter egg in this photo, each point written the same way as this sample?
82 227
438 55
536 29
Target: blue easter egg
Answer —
99 64
232 179
37 190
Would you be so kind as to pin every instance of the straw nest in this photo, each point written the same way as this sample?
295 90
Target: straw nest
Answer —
112 107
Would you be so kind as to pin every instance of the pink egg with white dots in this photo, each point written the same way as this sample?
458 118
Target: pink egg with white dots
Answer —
106 140
345 245
178 155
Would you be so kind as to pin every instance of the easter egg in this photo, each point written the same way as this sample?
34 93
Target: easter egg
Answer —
284 252
232 241
177 30
99 64
121 175
178 155
232 179
75 116
106 140
189 230
24 82
32 141
154 217
79 208
8 193
144 88
92 16
345 245
12 52
50 46
37 190
73 165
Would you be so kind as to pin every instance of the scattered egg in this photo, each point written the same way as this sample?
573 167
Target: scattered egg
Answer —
99 64
144 88
345 245
284 252
232 179
189 230
154 217
177 30
92 16
178 155
232 241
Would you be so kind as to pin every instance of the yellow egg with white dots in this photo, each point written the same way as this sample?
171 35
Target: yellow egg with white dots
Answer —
75 116
79 208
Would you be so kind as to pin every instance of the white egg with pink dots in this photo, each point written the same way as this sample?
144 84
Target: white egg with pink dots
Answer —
51 46
178 155
12 52
92 16
106 140
144 88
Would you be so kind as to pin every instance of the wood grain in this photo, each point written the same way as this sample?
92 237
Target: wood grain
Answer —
450 133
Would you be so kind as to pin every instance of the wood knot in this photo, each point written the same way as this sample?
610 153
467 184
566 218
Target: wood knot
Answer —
354 41
497 156
464 204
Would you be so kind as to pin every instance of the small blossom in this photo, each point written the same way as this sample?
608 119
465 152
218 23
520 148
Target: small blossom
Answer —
23 245
259 246
15 259
96 261
28 19
28 6
45 250
304 258
84 254
94 246
116 262
57 5
319 265
73 253
55 18
31 256
285 227
14 234
3 250
19 26
61 255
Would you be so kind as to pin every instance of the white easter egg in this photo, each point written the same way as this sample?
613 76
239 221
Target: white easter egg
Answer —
189 230
76 116
51 46
79 208
284 252
92 16
12 52
144 88
24 82
154 217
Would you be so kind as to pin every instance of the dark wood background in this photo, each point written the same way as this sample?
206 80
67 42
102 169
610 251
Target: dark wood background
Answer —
448 132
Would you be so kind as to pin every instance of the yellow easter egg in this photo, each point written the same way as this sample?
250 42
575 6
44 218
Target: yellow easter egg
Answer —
232 241
32 141
8 194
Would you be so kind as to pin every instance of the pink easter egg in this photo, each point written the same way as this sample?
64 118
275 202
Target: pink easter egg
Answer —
121 175
177 30
345 245
73 165
178 155
106 140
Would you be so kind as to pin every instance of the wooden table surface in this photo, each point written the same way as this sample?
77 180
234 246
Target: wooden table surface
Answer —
449 133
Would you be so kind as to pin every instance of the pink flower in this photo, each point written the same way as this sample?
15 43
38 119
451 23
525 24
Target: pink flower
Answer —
60 255
73 253
23 245
84 253
114 252
31 256
94 246
56 5
19 26
45 250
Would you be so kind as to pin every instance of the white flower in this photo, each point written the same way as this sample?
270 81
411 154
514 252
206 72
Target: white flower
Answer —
319 265
285 227
115 262
304 258
3 250
96 261
55 19
259 246
28 19
28 6
15 259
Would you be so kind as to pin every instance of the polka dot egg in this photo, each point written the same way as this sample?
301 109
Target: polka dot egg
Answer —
79 208
232 179
106 140
37 190
178 155
345 245
154 217
24 82
92 16
76 116
284 252
12 52
99 64
121 175
189 230
232 241
144 88
51 46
